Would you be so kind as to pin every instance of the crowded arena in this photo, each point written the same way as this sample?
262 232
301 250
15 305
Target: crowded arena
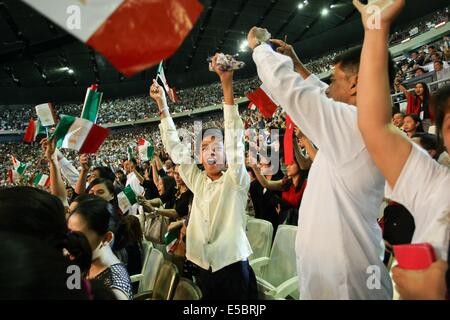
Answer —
224 150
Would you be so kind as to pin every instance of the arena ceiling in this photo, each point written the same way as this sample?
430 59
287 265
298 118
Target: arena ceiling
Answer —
41 62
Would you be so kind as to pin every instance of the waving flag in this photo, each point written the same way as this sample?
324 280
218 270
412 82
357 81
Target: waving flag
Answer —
41 180
262 99
145 150
132 34
170 91
126 199
129 153
34 130
10 176
46 114
79 134
289 142
91 104
19 167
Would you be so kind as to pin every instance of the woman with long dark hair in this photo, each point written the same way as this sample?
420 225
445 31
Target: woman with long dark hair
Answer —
104 188
106 233
419 103
292 186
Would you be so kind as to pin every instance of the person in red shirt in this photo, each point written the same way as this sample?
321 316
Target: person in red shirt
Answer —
418 103
292 186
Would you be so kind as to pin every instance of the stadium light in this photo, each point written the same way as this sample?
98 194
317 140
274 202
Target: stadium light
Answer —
70 71
243 46
324 11
300 6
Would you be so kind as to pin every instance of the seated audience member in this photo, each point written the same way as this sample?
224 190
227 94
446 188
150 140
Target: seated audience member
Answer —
134 249
441 72
96 219
412 125
40 215
428 142
32 270
292 186
413 177
419 103
104 188
265 201
398 120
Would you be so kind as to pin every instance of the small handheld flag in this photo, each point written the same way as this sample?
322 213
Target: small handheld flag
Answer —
79 134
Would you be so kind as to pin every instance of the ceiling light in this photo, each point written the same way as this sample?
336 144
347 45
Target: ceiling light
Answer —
324 11
243 46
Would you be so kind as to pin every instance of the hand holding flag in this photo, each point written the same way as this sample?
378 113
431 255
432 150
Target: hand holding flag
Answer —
49 147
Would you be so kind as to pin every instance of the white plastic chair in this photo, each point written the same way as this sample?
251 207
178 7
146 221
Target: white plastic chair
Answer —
259 234
277 275
150 271
147 248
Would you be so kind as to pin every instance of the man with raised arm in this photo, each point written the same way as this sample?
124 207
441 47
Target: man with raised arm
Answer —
413 178
339 243
215 238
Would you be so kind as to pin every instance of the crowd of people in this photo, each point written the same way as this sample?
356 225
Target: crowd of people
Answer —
345 150
416 64
128 109
324 63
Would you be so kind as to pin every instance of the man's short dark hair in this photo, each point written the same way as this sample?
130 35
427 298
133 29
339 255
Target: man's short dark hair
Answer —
427 141
350 60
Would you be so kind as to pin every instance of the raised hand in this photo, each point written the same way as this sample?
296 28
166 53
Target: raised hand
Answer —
85 162
379 14
285 49
223 75
157 93
49 147
256 36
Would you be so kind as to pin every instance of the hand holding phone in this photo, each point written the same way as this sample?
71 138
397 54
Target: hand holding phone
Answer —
414 256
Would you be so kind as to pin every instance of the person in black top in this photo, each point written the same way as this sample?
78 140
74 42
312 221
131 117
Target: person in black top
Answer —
265 200
105 232
176 200
134 249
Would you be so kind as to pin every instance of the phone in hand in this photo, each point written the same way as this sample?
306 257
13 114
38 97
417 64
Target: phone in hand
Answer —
417 256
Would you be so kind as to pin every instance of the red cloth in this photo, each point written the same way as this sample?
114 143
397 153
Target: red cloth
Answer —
263 102
288 142
30 132
292 197
413 106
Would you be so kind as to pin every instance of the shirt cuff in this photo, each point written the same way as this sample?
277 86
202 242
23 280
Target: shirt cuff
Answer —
262 47
230 111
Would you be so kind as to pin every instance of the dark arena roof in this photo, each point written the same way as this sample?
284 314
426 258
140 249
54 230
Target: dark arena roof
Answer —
41 62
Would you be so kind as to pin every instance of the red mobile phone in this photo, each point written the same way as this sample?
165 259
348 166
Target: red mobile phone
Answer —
416 256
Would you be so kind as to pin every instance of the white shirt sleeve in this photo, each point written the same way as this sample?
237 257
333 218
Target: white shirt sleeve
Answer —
67 169
328 123
423 188
179 153
234 147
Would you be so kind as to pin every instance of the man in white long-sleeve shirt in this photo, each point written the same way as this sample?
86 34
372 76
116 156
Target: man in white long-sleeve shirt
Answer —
339 243
216 238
